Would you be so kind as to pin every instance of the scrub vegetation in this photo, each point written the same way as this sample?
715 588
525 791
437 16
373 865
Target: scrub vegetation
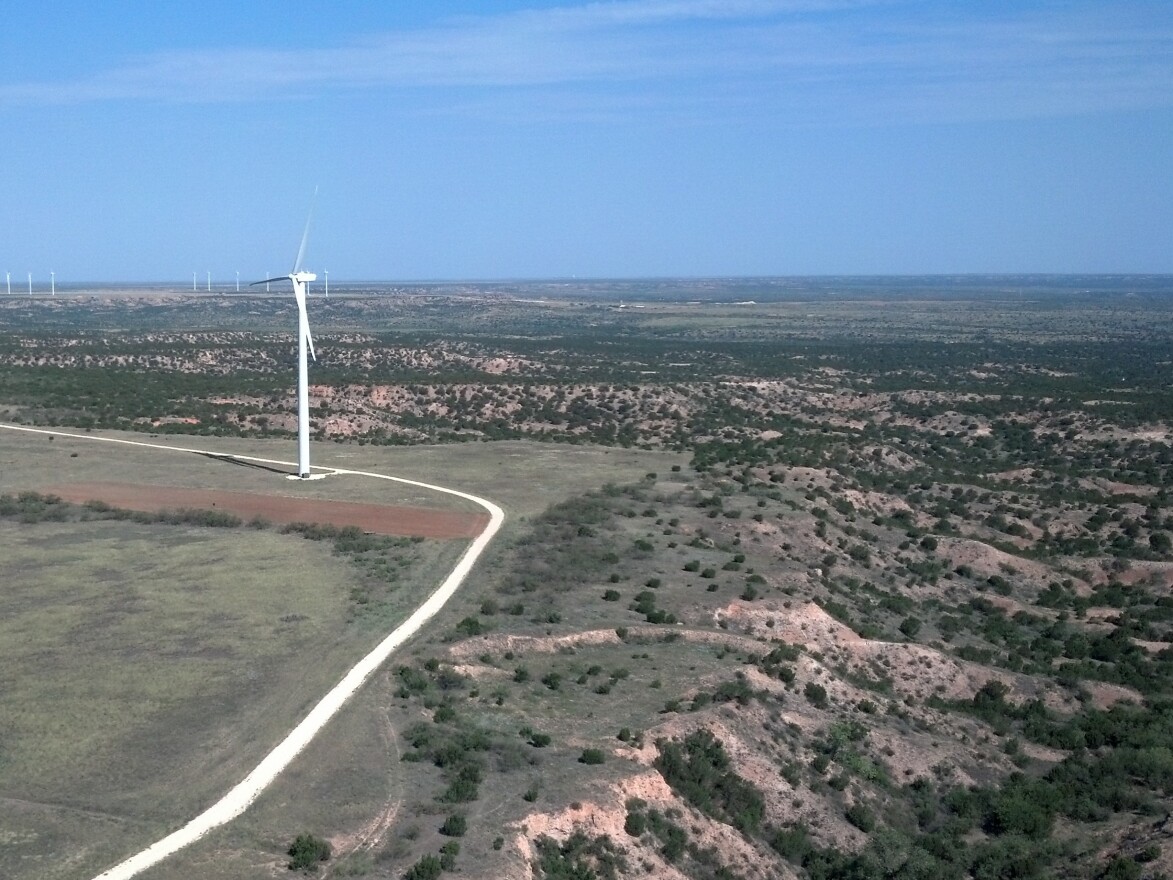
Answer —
899 607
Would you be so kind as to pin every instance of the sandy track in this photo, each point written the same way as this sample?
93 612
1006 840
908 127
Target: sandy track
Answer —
241 796
381 519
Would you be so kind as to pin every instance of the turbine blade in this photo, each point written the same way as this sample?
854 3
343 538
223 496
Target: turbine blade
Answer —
310 340
305 235
267 280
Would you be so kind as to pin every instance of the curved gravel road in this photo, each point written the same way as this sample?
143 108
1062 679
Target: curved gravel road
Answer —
242 795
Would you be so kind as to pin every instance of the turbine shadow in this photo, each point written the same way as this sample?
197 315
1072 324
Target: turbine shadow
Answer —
232 459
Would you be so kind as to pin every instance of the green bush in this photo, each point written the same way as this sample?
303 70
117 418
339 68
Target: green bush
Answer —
699 770
592 756
861 817
816 694
306 851
578 858
427 868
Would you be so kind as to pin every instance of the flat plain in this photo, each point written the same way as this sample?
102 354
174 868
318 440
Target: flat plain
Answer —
802 577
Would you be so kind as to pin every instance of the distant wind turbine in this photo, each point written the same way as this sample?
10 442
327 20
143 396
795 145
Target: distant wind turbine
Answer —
193 281
209 281
52 282
326 272
30 283
300 279
8 281
238 281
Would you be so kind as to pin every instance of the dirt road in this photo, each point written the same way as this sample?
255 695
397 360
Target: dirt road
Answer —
241 796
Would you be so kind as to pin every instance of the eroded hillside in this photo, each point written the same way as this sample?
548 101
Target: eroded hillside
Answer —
907 613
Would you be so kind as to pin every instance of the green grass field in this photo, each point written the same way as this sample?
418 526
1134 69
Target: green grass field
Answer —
147 668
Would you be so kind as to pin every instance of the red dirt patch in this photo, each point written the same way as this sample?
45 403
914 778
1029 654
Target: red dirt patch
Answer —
377 518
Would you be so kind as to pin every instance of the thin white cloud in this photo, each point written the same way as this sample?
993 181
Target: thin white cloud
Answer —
803 60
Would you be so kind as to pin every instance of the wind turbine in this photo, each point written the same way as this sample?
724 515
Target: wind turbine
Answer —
300 279
193 280
238 281
209 281
8 281
30 283
53 282
326 272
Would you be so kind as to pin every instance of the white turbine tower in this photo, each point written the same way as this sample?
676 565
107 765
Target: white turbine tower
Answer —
53 282
238 281
30 283
326 272
209 281
305 342
8 281
193 281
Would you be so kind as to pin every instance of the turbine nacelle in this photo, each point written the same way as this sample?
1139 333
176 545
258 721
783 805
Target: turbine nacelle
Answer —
303 277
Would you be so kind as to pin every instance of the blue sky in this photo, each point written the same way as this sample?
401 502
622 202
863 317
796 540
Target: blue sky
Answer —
144 140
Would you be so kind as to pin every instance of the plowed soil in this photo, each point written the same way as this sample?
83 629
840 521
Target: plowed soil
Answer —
376 518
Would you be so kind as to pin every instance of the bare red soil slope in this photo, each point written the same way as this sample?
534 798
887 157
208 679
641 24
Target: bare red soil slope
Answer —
376 518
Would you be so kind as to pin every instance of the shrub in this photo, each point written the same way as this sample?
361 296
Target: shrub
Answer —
427 868
306 851
461 790
861 817
578 856
816 694
470 626
592 756
454 826
700 770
